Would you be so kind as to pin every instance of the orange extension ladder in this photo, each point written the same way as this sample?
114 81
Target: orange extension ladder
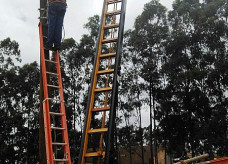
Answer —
97 144
55 124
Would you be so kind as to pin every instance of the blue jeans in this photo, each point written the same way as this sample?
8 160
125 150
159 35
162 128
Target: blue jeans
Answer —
56 12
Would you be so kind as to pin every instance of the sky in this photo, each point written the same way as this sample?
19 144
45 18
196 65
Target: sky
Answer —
19 21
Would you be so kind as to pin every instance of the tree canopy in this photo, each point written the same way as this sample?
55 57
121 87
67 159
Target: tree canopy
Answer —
174 73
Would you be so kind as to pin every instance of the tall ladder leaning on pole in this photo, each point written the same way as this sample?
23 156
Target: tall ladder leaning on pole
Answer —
97 144
55 124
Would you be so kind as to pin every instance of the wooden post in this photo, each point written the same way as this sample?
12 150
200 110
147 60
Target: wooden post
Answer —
194 159
42 149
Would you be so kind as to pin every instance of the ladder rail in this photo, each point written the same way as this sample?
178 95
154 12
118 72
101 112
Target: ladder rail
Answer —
62 108
47 124
85 135
89 118
114 97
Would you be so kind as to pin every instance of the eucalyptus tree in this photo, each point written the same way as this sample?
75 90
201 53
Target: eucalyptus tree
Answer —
148 40
19 104
216 41
131 89
195 46
127 104
9 51
28 84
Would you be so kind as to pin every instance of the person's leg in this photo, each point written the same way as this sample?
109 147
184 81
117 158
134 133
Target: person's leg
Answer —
52 19
59 25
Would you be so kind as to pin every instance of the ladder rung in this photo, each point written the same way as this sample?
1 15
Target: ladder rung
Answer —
109 40
108 55
116 12
42 18
100 109
111 26
57 143
114 1
60 160
51 61
101 130
42 9
56 114
95 154
53 86
57 128
52 99
103 89
105 71
51 73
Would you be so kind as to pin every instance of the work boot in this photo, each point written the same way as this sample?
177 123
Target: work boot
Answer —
47 47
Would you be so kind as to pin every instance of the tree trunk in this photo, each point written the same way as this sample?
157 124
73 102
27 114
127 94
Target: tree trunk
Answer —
129 140
165 154
130 153
151 134
155 134
141 131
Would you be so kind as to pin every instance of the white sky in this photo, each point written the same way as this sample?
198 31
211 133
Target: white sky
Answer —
19 21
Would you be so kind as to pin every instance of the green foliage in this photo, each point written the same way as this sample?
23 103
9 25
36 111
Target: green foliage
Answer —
185 63
93 26
19 104
9 51
174 66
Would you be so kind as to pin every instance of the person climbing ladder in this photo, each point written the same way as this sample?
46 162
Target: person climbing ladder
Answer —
56 13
